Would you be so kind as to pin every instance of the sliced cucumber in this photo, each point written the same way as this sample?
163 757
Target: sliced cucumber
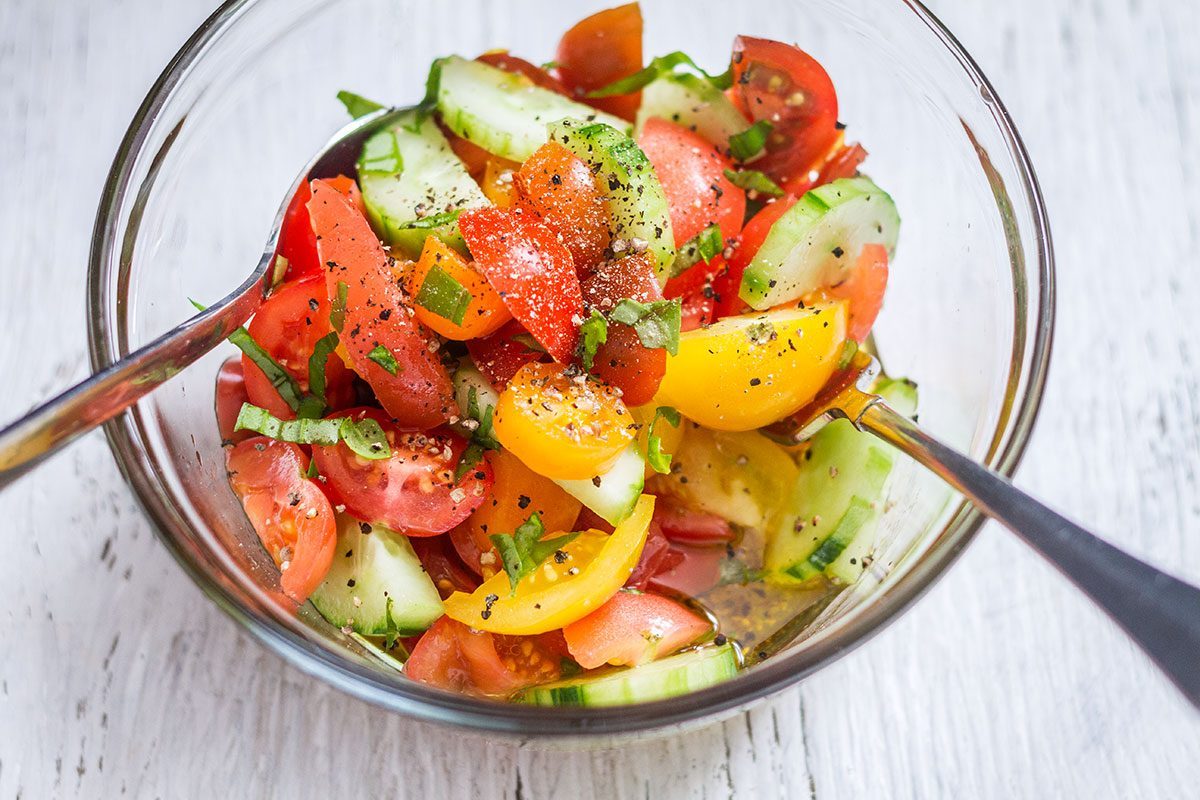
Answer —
668 677
613 494
376 584
694 103
467 377
817 240
637 206
429 180
502 112
833 508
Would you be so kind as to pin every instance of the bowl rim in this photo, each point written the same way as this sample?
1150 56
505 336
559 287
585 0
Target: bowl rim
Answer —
440 707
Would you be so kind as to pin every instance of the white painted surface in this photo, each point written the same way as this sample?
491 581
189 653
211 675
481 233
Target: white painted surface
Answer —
118 677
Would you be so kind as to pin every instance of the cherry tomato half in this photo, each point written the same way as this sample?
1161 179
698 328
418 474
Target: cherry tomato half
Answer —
601 49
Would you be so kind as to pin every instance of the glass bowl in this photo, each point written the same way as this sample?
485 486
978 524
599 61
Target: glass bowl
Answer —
199 177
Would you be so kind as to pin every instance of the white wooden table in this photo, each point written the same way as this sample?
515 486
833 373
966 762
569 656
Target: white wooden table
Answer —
118 677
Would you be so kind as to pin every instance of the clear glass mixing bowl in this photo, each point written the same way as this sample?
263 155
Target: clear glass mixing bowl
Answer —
197 182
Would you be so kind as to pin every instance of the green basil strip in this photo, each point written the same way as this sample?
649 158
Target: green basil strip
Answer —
593 332
710 243
657 324
754 181
663 65
364 437
430 222
750 142
357 105
443 295
284 383
384 358
316 364
337 309
658 460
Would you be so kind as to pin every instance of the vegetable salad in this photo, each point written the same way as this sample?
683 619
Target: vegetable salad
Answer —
508 415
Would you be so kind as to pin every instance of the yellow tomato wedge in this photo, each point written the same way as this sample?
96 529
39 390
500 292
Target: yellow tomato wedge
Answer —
563 425
485 311
561 590
498 184
748 371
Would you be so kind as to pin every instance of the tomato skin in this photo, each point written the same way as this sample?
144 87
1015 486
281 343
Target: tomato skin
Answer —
842 162
633 628
230 395
414 490
420 394
687 526
441 561
290 513
782 84
524 261
557 187
451 656
692 169
600 49
474 157
288 325
502 59
657 556
864 289
695 290
501 355
623 361
693 572
297 241
728 284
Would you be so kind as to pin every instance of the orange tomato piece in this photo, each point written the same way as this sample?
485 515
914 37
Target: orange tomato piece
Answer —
559 188
486 312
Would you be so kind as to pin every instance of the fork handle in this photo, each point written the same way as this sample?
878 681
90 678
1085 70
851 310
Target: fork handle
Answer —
1160 613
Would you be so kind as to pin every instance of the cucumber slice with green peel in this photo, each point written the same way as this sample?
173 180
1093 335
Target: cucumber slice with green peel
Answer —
637 207
408 173
467 377
833 508
813 244
503 112
613 494
668 677
376 585
694 103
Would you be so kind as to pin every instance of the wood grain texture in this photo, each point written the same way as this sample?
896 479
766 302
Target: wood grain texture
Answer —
118 677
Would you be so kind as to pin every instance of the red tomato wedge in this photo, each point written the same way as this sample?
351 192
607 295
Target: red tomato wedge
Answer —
695 570
692 173
502 59
601 49
288 325
452 656
532 270
501 355
784 85
230 395
695 290
633 628
561 191
623 361
745 248
657 556
418 393
864 289
843 162
413 491
297 242
290 513
441 561
687 526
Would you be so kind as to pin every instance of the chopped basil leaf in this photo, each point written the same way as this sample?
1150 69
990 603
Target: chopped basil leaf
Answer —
428 103
482 437
754 181
663 65
364 437
337 309
384 358
391 631
549 65
710 242
750 142
593 332
316 364
442 294
284 383
657 324
381 155
278 271
357 105
523 551
430 222
312 473
849 348
660 461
